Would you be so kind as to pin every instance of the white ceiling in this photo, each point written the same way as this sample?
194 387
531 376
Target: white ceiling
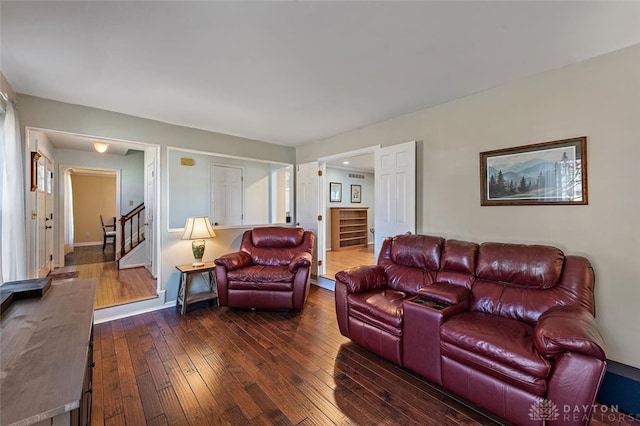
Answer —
293 72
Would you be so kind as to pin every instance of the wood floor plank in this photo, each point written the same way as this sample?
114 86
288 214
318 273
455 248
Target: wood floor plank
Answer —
217 365
112 400
97 415
149 397
188 401
171 406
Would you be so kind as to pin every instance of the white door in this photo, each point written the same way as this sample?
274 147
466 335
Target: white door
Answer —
395 189
150 205
226 196
44 216
307 207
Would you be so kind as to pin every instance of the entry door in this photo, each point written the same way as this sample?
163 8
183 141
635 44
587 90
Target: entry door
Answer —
307 206
149 208
395 189
44 216
226 195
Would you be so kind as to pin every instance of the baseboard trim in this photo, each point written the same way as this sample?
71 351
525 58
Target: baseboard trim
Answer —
90 243
131 309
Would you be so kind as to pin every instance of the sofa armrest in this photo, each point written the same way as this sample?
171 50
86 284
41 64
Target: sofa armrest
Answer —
300 260
363 278
234 261
446 293
565 328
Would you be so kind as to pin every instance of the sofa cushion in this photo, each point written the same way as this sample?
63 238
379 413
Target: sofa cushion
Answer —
446 293
261 274
408 279
417 251
519 264
381 308
280 236
459 256
497 344
458 263
362 278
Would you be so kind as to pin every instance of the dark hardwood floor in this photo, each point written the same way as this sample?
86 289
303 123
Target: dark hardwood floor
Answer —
221 366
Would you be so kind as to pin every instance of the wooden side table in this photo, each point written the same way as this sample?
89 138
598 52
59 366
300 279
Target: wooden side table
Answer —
185 297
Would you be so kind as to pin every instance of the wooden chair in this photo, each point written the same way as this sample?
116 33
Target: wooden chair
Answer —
108 231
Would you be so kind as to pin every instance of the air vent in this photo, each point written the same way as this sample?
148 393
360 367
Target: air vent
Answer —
357 176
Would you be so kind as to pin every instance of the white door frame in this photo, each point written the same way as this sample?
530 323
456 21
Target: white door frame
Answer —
323 195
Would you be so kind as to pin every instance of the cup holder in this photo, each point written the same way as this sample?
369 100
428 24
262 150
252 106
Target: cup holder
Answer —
421 300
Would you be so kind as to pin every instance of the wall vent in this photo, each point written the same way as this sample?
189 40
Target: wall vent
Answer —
358 176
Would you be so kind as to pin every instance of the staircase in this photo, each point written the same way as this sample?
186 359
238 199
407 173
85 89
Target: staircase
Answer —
132 232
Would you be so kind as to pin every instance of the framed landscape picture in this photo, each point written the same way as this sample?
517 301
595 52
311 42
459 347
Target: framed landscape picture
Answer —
544 173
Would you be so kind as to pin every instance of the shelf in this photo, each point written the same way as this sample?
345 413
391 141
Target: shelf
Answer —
349 227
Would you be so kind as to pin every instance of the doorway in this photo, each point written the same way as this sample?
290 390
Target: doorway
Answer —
130 164
95 202
393 197
349 242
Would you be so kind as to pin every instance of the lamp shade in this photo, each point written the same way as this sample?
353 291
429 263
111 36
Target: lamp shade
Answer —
198 228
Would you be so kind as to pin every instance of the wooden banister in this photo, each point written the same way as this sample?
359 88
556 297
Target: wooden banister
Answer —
131 217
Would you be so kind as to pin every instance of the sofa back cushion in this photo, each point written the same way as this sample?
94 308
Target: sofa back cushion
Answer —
276 246
276 236
517 281
417 251
411 261
458 263
519 264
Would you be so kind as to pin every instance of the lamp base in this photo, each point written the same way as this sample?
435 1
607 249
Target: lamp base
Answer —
197 246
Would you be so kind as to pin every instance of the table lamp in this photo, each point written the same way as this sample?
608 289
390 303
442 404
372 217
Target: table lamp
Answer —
197 229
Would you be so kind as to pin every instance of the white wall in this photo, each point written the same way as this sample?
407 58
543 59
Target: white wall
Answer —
189 187
600 99
368 194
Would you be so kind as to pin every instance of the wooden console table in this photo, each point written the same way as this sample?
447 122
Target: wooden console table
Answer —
47 356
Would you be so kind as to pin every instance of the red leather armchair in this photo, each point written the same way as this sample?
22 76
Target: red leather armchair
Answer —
271 270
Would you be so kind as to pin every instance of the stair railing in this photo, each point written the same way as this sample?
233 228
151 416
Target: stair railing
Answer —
131 222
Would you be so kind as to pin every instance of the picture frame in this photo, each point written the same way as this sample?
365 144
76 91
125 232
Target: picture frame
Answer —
356 193
547 173
335 192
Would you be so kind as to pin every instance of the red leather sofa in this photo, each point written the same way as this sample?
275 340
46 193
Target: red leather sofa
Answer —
271 270
509 327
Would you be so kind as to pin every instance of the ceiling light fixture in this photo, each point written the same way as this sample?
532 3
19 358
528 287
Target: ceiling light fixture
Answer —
345 162
101 146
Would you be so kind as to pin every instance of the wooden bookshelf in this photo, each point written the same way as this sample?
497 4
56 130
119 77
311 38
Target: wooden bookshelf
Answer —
349 227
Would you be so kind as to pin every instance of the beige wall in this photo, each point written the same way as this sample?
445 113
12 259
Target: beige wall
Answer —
600 99
92 196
